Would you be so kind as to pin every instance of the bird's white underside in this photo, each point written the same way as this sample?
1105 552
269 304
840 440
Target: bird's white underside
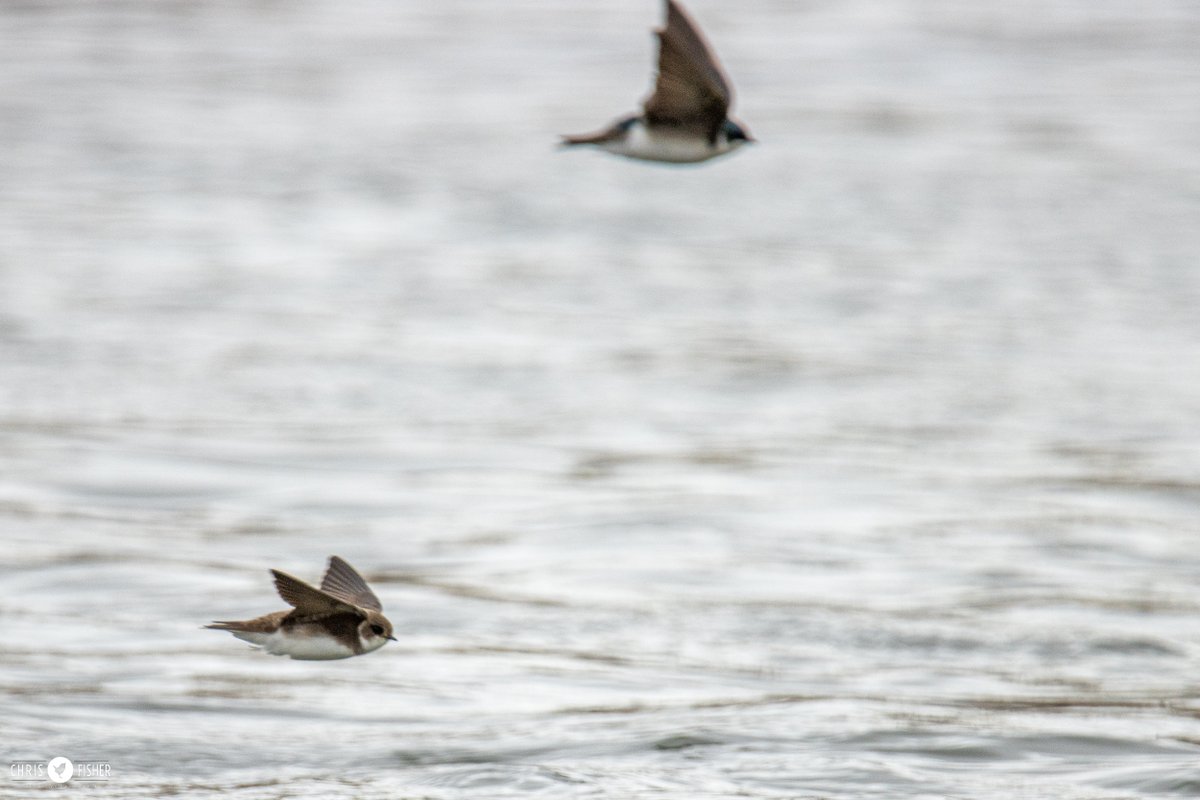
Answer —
305 647
649 145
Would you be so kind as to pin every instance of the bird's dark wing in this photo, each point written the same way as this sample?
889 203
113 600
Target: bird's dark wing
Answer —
310 602
691 90
343 582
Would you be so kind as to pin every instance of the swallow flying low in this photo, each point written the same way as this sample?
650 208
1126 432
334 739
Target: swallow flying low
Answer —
686 117
341 619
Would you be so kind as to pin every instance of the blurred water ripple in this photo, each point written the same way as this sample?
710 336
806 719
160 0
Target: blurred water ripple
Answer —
862 464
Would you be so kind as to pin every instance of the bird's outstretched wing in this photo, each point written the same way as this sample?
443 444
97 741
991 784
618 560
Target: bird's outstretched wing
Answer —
691 90
310 602
343 582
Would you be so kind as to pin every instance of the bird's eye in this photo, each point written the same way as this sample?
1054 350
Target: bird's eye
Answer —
377 630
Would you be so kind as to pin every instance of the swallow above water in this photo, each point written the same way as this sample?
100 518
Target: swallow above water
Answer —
341 619
686 118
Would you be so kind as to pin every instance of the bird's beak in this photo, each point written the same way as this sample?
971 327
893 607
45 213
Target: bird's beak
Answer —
391 638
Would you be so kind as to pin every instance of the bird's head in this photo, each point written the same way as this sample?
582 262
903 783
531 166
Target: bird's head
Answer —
375 630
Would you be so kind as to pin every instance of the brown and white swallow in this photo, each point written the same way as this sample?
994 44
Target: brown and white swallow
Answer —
686 118
341 619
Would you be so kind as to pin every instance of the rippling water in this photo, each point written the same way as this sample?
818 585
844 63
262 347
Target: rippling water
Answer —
864 463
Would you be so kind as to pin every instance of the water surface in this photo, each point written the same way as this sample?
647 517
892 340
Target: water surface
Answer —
863 463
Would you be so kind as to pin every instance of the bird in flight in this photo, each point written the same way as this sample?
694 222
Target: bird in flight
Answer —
341 619
686 118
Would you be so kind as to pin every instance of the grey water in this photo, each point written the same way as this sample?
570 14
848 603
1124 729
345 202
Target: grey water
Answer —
862 463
